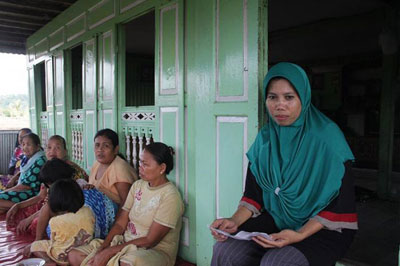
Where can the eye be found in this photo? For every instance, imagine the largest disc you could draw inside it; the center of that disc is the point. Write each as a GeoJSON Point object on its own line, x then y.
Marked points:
{"type": "Point", "coordinates": [289, 97]}
{"type": "Point", "coordinates": [271, 97]}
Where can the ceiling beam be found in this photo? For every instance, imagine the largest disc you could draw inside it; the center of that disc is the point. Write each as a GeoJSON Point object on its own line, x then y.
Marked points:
{"type": "Point", "coordinates": [23, 20]}
{"type": "Point", "coordinates": [15, 25]}
{"type": "Point", "coordinates": [32, 14]}
{"type": "Point", "coordinates": [7, 37]}
{"type": "Point", "coordinates": [22, 6]}
{"type": "Point", "coordinates": [25, 33]}
{"type": "Point", "coordinates": [34, 5]}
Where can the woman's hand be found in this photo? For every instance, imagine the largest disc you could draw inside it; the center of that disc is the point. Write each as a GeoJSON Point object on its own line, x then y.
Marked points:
{"type": "Point", "coordinates": [101, 258]}
{"type": "Point", "coordinates": [279, 240]}
{"type": "Point", "coordinates": [225, 224]}
{"type": "Point", "coordinates": [43, 191]}
{"type": "Point", "coordinates": [11, 212]}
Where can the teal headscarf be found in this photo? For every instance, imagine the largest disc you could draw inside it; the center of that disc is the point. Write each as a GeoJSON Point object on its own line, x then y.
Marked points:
{"type": "Point", "coordinates": [298, 167]}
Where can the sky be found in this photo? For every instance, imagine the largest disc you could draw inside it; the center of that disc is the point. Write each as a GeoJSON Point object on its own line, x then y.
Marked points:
{"type": "Point", "coordinates": [13, 74]}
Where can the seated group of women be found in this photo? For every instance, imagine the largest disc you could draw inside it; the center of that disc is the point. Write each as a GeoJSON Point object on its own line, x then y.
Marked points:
{"type": "Point", "coordinates": [299, 190]}
{"type": "Point", "coordinates": [108, 218]}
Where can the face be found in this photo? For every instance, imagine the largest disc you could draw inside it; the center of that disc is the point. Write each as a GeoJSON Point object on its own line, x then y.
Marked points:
{"type": "Point", "coordinates": [20, 135]}
{"type": "Point", "coordinates": [149, 169]}
{"type": "Point", "coordinates": [55, 149]}
{"type": "Point", "coordinates": [104, 150]}
{"type": "Point", "coordinates": [282, 102]}
{"type": "Point", "coordinates": [29, 147]}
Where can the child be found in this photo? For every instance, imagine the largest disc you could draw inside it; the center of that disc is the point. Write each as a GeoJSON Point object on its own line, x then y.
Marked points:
{"type": "Point", "coordinates": [22, 217]}
{"type": "Point", "coordinates": [72, 224]}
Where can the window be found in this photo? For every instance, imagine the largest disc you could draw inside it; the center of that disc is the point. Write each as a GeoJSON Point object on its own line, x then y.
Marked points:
{"type": "Point", "coordinates": [40, 85]}
{"type": "Point", "coordinates": [139, 60]}
{"type": "Point", "coordinates": [76, 77]}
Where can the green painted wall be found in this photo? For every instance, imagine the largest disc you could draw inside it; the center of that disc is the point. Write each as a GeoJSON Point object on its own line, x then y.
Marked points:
{"type": "Point", "coordinates": [210, 58]}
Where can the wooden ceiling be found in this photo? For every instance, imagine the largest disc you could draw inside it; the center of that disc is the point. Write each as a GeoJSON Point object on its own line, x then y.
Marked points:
{"type": "Point", "coordinates": [19, 19]}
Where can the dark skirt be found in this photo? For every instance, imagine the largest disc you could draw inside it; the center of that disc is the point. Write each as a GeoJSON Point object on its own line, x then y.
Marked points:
{"type": "Point", "coordinates": [322, 248]}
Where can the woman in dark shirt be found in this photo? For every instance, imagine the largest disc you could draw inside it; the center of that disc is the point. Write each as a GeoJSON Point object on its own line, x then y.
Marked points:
{"type": "Point", "coordinates": [299, 187]}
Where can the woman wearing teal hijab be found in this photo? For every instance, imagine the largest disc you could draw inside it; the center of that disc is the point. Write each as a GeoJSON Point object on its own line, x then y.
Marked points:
{"type": "Point", "coordinates": [299, 188]}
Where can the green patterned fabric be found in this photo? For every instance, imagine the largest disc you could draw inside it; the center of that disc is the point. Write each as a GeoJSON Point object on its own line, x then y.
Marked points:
{"type": "Point", "coordinates": [29, 177]}
{"type": "Point", "coordinates": [299, 167]}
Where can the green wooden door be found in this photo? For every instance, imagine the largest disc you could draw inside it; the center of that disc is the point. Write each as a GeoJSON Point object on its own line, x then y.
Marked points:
{"type": "Point", "coordinates": [226, 59]}
{"type": "Point", "coordinates": [170, 111]}
{"type": "Point", "coordinates": [107, 98]}
{"type": "Point", "coordinates": [89, 98]}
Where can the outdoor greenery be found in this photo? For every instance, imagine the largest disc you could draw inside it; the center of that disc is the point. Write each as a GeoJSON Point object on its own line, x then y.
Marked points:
{"type": "Point", "coordinates": [14, 105]}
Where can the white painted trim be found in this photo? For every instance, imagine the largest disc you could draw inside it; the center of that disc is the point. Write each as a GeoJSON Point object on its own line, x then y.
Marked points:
{"type": "Point", "coordinates": [186, 232]}
{"type": "Point", "coordinates": [137, 2]}
{"type": "Point", "coordinates": [96, 6]}
{"type": "Point", "coordinates": [72, 22]}
{"type": "Point", "coordinates": [170, 90]}
{"type": "Point", "coordinates": [230, 119]}
{"type": "Point", "coordinates": [60, 43]}
{"type": "Point", "coordinates": [105, 35]}
{"type": "Point", "coordinates": [175, 110]}
{"type": "Point", "coordinates": [91, 112]}
{"type": "Point", "coordinates": [244, 96]}
{"type": "Point", "coordinates": [185, 123]}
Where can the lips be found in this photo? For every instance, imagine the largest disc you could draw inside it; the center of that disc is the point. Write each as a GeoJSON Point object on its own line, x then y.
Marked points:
{"type": "Point", "coordinates": [281, 117]}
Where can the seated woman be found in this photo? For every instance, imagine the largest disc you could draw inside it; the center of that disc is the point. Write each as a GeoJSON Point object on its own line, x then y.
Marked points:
{"type": "Point", "coordinates": [23, 215]}
{"type": "Point", "coordinates": [109, 180]}
{"type": "Point", "coordinates": [299, 187]}
{"type": "Point", "coordinates": [29, 184]}
{"type": "Point", "coordinates": [57, 148]}
{"type": "Point", "coordinates": [12, 176]}
{"type": "Point", "coordinates": [72, 224]}
{"type": "Point", "coordinates": [147, 229]}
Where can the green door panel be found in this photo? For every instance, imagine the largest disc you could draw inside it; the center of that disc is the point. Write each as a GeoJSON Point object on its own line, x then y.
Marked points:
{"type": "Point", "coordinates": [170, 111]}
{"type": "Point", "coordinates": [32, 101]}
{"type": "Point", "coordinates": [59, 95]}
{"type": "Point", "coordinates": [223, 88]}
{"type": "Point", "coordinates": [90, 131]}
{"type": "Point", "coordinates": [231, 163]}
{"type": "Point", "coordinates": [89, 74]}
{"type": "Point", "coordinates": [89, 98]}
{"type": "Point", "coordinates": [231, 48]}
{"type": "Point", "coordinates": [168, 50]}
{"type": "Point", "coordinates": [50, 96]}
{"type": "Point", "coordinates": [107, 105]}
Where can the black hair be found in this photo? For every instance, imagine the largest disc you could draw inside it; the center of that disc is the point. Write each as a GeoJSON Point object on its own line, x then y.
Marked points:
{"type": "Point", "coordinates": [60, 139]}
{"type": "Point", "coordinates": [110, 134]}
{"type": "Point", "coordinates": [27, 130]}
{"type": "Point", "coordinates": [55, 169]}
{"type": "Point", "coordinates": [35, 138]}
{"type": "Point", "coordinates": [162, 154]}
{"type": "Point", "coordinates": [65, 196]}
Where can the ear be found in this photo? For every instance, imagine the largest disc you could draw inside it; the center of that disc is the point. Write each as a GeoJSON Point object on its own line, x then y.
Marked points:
{"type": "Point", "coordinates": [116, 149]}
{"type": "Point", "coordinates": [163, 167]}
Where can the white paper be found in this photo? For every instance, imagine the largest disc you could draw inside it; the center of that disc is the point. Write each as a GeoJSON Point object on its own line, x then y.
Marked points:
{"type": "Point", "coordinates": [242, 235]}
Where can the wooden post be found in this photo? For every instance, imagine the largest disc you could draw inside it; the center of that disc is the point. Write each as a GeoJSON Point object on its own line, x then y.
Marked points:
{"type": "Point", "coordinates": [389, 44]}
